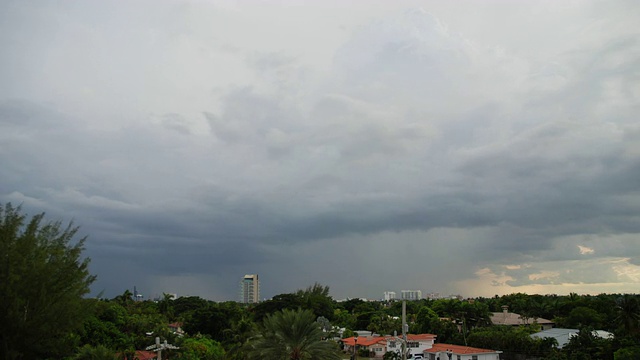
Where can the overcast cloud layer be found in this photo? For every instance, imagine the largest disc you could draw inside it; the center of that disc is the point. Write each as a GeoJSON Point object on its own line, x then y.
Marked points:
{"type": "Point", "coordinates": [468, 147]}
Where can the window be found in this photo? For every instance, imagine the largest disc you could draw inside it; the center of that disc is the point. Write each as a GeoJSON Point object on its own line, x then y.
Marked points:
{"type": "Point", "coordinates": [413, 344]}
{"type": "Point", "coordinates": [392, 344]}
{"type": "Point", "coordinates": [459, 357]}
{"type": "Point", "coordinates": [474, 357]}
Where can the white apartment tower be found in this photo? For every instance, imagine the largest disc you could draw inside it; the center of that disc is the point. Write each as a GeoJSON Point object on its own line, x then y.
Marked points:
{"type": "Point", "coordinates": [411, 294]}
{"type": "Point", "coordinates": [250, 289]}
{"type": "Point", "coordinates": [389, 295]}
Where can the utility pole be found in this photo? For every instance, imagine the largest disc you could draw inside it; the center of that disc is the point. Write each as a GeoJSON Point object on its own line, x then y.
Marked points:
{"type": "Point", "coordinates": [158, 347]}
{"type": "Point", "coordinates": [404, 329]}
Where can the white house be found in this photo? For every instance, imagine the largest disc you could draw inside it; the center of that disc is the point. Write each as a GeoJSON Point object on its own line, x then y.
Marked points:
{"type": "Point", "coordinates": [416, 343]}
{"type": "Point", "coordinates": [376, 345]}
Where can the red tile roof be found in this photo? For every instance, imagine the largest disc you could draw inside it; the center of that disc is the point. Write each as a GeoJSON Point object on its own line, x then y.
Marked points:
{"type": "Point", "coordinates": [418, 337]}
{"type": "Point", "coordinates": [458, 349]}
{"type": "Point", "coordinates": [142, 355]}
{"type": "Point", "coordinates": [145, 355]}
{"type": "Point", "coordinates": [370, 340]}
{"type": "Point", "coordinates": [364, 340]}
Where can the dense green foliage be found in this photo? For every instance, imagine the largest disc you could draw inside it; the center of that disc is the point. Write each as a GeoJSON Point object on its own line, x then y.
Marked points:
{"type": "Point", "coordinates": [228, 330]}
{"type": "Point", "coordinates": [292, 335]}
{"type": "Point", "coordinates": [512, 341]}
{"type": "Point", "coordinates": [42, 281]}
{"type": "Point", "coordinates": [120, 323]}
{"type": "Point", "coordinates": [201, 348]}
{"type": "Point", "coordinates": [99, 352]}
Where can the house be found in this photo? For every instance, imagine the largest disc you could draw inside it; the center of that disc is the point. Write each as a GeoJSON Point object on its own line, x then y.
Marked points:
{"type": "Point", "coordinates": [459, 352]}
{"type": "Point", "coordinates": [416, 343]}
{"type": "Point", "coordinates": [176, 328]}
{"type": "Point", "coordinates": [379, 345]}
{"type": "Point", "coordinates": [563, 336]}
{"type": "Point", "coordinates": [512, 319]}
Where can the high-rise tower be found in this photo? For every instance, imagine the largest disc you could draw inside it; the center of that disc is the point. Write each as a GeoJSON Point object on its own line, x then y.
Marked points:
{"type": "Point", "coordinates": [250, 289]}
{"type": "Point", "coordinates": [411, 294]}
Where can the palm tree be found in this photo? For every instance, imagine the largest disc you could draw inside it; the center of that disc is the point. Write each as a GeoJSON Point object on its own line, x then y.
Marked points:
{"type": "Point", "coordinates": [166, 306]}
{"type": "Point", "coordinates": [236, 337]}
{"type": "Point", "coordinates": [125, 299]}
{"type": "Point", "coordinates": [291, 335]}
{"type": "Point", "coordinates": [628, 316]}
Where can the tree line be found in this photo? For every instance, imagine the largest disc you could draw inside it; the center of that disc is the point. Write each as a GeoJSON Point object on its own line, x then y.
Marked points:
{"type": "Point", "coordinates": [45, 314]}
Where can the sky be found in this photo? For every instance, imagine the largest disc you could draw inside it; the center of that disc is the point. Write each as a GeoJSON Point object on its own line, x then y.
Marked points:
{"type": "Point", "coordinates": [461, 147]}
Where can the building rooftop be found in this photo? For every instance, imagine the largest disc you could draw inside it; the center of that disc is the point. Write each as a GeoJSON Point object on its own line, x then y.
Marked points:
{"type": "Point", "coordinates": [564, 335]}
{"type": "Point", "coordinates": [508, 318]}
{"type": "Point", "coordinates": [370, 340]}
{"type": "Point", "coordinates": [458, 349]}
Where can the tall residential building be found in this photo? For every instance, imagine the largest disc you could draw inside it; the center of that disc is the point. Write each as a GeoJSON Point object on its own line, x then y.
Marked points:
{"type": "Point", "coordinates": [389, 295]}
{"type": "Point", "coordinates": [250, 289]}
{"type": "Point", "coordinates": [411, 294]}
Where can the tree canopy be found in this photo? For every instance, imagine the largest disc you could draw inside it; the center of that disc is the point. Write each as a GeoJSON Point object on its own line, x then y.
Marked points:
{"type": "Point", "coordinates": [293, 335]}
{"type": "Point", "coordinates": [42, 281]}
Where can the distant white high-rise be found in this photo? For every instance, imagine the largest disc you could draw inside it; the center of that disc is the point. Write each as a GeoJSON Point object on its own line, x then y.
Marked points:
{"type": "Point", "coordinates": [389, 295]}
{"type": "Point", "coordinates": [250, 289]}
{"type": "Point", "coordinates": [433, 296]}
{"type": "Point", "coordinates": [411, 294]}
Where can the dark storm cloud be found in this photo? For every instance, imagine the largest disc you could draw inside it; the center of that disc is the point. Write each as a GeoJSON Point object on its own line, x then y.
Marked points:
{"type": "Point", "coordinates": [189, 166]}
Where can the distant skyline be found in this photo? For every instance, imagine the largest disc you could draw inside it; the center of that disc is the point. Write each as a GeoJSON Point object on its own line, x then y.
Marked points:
{"type": "Point", "coordinates": [469, 147]}
{"type": "Point", "coordinates": [383, 295]}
